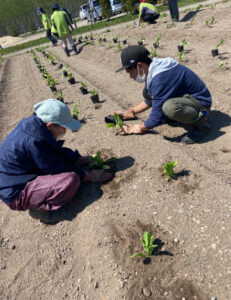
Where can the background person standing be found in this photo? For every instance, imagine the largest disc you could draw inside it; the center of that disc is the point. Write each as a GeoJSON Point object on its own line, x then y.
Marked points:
{"type": "Point", "coordinates": [60, 23]}
{"type": "Point", "coordinates": [47, 25]}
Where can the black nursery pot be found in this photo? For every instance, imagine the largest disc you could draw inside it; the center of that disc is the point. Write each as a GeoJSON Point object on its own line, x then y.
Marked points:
{"type": "Point", "coordinates": [71, 80]}
{"type": "Point", "coordinates": [92, 38]}
{"type": "Point", "coordinates": [80, 41]}
{"type": "Point", "coordinates": [95, 98]}
{"type": "Point", "coordinates": [124, 42]}
{"type": "Point", "coordinates": [83, 91]}
{"type": "Point", "coordinates": [53, 88]}
{"type": "Point", "coordinates": [53, 63]}
{"type": "Point", "coordinates": [140, 43]}
{"type": "Point", "coordinates": [180, 48]}
{"type": "Point", "coordinates": [155, 45]}
{"type": "Point", "coordinates": [60, 66]}
{"type": "Point", "coordinates": [60, 99]}
{"type": "Point", "coordinates": [65, 73]}
{"type": "Point", "coordinates": [115, 41]}
{"type": "Point", "coordinates": [214, 52]}
{"type": "Point", "coordinates": [104, 40]}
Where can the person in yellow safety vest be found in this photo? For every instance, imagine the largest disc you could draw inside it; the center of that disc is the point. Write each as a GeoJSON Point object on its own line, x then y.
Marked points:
{"type": "Point", "coordinates": [47, 25]}
{"type": "Point", "coordinates": [61, 22]}
{"type": "Point", "coordinates": [147, 12]}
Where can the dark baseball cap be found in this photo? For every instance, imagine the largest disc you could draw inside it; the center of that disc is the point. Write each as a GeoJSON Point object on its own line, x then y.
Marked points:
{"type": "Point", "coordinates": [55, 6]}
{"type": "Point", "coordinates": [132, 55]}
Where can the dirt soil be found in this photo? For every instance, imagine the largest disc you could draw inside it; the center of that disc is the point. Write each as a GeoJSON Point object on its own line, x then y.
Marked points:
{"type": "Point", "coordinates": [87, 254]}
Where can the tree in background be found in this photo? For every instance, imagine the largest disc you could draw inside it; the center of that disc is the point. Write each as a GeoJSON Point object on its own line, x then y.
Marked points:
{"type": "Point", "coordinates": [106, 8]}
{"type": "Point", "coordinates": [130, 5]}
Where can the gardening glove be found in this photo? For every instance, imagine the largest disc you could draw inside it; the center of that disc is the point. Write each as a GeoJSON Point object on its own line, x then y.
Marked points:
{"type": "Point", "coordinates": [83, 160]}
{"type": "Point", "coordinates": [97, 176]}
{"type": "Point", "coordinates": [132, 129]}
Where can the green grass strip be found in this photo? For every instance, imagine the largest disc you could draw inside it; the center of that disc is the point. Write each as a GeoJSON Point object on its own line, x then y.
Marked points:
{"type": "Point", "coordinates": [92, 27]}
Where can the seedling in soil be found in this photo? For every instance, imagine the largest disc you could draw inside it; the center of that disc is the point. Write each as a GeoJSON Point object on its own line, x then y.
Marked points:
{"type": "Point", "coordinates": [163, 15]}
{"type": "Point", "coordinates": [110, 45]}
{"type": "Point", "coordinates": [153, 53]}
{"type": "Point", "coordinates": [118, 122]}
{"type": "Point", "coordinates": [71, 79]}
{"type": "Point", "coordinates": [116, 38]}
{"type": "Point", "coordinates": [125, 42]}
{"type": "Point", "coordinates": [156, 43]}
{"type": "Point", "coordinates": [199, 6]}
{"type": "Point", "coordinates": [64, 71]}
{"type": "Point", "coordinates": [141, 41]}
{"type": "Point", "coordinates": [98, 162]}
{"type": "Point", "coordinates": [119, 47]}
{"type": "Point", "coordinates": [94, 96]}
{"type": "Point", "coordinates": [182, 45]}
{"type": "Point", "coordinates": [221, 64]}
{"type": "Point", "coordinates": [60, 66]}
{"type": "Point", "coordinates": [213, 6]}
{"type": "Point", "coordinates": [100, 41]}
{"type": "Point", "coordinates": [215, 51]}
{"type": "Point", "coordinates": [148, 245]}
{"type": "Point", "coordinates": [220, 43]}
{"type": "Point", "coordinates": [186, 10]}
{"type": "Point", "coordinates": [75, 112]}
{"type": "Point", "coordinates": [86, 37]}
{"type": "Point", "coordinates": [60, 96]}
{"type": "Point", "coordinates": [91, 36]}
{"type": "Point", "coordinates": [52, 82]}
{"type": "Point", "coordinates": [168, 169]}
{"type": "Point", "coordinates": [210, 21]}
{"type": "Point", "coordinates": [181, 55]}
{"type": "Point", "coordinates": [83, 88]}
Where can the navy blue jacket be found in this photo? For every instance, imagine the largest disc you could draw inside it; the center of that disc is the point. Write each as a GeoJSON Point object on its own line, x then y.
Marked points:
{"type": "Point", "coordinates": [174, 82]}
{"type": "Point", "coordinates": [30, 151]}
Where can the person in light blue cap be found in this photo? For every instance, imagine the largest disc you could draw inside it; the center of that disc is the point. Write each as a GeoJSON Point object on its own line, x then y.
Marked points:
{"type": "Point", "coordinates": [36, 171]}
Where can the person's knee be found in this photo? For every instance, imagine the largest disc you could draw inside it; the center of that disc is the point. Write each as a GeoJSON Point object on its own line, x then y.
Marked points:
{"type": "Point", "coordinates": [169, 109]}
{"type": "Point", "coordinates": [74, 180]}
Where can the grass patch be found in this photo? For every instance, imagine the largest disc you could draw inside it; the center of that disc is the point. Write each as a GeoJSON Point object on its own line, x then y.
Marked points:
{"type": "Point", "coordinates": [92, 27]}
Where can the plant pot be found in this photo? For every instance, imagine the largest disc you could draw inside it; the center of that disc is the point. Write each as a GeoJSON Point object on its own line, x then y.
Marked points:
{"type": "Point", "coordinates": [124, 42]}
{"type": "Point", "coordinates": [65, 74]}
{"type": "Point", "coordinates": [155, 45]}
{"type": "Point", "coordinates": [104, 40]}
{"type": "Point", "coordinates": [214, 52]}
{"type": "Point", "coordinates": [92, 38]}
{"type": "Point", "coordinates": [80, 41]}
{"type": "Point", "coordinates": [53, 63]}
{"type": "Point", "coordinates": [180, 48]}
{"type": "Point", "coordinates": [140, 43]}
{"type": "Point", "coordinates": [109, 119]}
{"type": "Point", "coordinates": [83, 91]}
{"type": "Point", "coordinates": [115, 41]}
{"type": "Point", "coordinates": [75, 117]}
{"type": "Point", "coordinates": [95, 98]}
{"type": "Point", "coordinates": [53, 88]}
{"type": "Point", "coordinates": [60, 66]}
{"type": "Point", "coordinates": [60, 99]}
{"type": "Point", "coordinates": [71, 80]}
{"type": "Point", "coordinates": [86, 38]}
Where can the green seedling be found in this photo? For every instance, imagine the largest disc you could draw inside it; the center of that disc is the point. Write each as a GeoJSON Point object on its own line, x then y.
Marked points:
{"type": "Point", "coordinates": [119, 47]}
{"type": "Point", "coordinates": [69, 76]}
{"type": "Point", "coordinates": [168, 169]}
{"type": "Point", "coordinates": [91, 35]}
{"type": "Point", "coordinates": [184, 43]}
{"type": "Point", "coordinates": [220, 43]}
{"type": "Point", "coordinates": [100, 41]}
{"type": "Point", "coordinates": [153, 53]}
{"type": "Point", "coordinates": [83, 85]}
{"type": "Point", "coordinates": [59, 96]}
{"type": "Point", "coordinates": [199, 6]}
{"type": "Point", "coordinates": [210, 21]}
{"type": "Point", "coordinates": [110, 45]}
{"type": "Point", "coordinates": [148, 245]}
{"type": "Point", "coordinates": [75, 112]}
{"type": "Point", "coordinates": [116, 38]}
{"type": "Point", "coordinates": [93, 92]}
{"type": "Point", "coordinates": [163, 15]}
{"type": "Point", "coordinates": [118, 122]}
{"type": "Point", "coordinates": [213, 6]}
{"type": "Point", "coordinates": [142, 39]}
{"type": "Point", "coordinates": [181, 55]}
{"type": "Point", "coordinates": [52, 82]}
{"type": "Point", "coordinates": [98, 162]}
{"type": "Point", "coordinates": [221, 64]}
{"type": "Point", "coordinates": [158, 40]}
{"type": "Point", "coordinates": [186, 10]}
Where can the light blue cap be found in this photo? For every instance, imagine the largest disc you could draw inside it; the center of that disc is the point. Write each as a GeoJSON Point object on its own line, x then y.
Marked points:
{"type": "Point", "coordinates": [56, 112]}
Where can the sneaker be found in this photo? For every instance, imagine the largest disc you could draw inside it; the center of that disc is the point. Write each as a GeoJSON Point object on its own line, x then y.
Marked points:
{"type": "Point", "coordinates": [46, 216]}
{"type": "Point", "coordinates": [195, 135]}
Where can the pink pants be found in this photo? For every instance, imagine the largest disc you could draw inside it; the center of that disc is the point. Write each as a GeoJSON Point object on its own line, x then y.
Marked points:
{"type": "Point", "coordinates": [48, 192]}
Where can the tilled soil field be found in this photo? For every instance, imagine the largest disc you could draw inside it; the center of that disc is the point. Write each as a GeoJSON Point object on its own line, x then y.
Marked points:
{"type": "Point", "coordinates": [87, 254]}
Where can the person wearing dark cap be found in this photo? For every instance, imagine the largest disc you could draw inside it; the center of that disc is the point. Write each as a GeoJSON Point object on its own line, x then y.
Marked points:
{"type": "Point", "coordinates": [36, 171]}
{"type": "Point", "coordinates": [147, 12]}
{"type": "Point", "coordinates": [60, 23]}
{"type": "Point", "coordinates": [177, 94]}
{"type": "Point", "coordinates": [47, 25]}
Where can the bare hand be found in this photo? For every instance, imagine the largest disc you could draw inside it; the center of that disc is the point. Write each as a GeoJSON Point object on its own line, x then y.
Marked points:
{"type": "Point", "coordinates": [132, 129]}
{"type": "Point", "coordinates": [98, 176]}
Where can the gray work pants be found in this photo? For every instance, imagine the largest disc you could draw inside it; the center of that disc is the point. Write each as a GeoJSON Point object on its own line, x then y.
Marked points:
{"type": "Point", "coordinates": [186, 109]}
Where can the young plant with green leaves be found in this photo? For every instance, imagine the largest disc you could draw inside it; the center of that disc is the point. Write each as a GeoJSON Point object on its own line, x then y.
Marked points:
{"type": "Point", "coordinates": [184, 43]}
{"type": "Point", "coordinates": [52, 82]}
{"type": "Point", "coordinates": [181, 55]}
{"type": "Point", "coordinates": [163, 15]}
{"type": "Point", "coordinates": [118, 122]}
{"type": "Point", "coordinates": [168, 169]}
{"type": "Point", "coordinates": [157, 41]}
{"type": "Point", "coordinates": [70, 75]}
{"type": "Point", "coordinates": [59, 96]}
{"type": "Point", "coordinates": [219, 43]}
{"type": "Point", "coordinates": [148, 245]}
{"type": "Point", "coordinates": [98, 162]}
{"type": "Point", "coordinates": [213, 6]}
{"type": "Point", "coordinates": [110, 45]}
{"type": "Point", "coordinates": [94, 92]}
{"type": "Point", "coordinates": [119, 47]}
{"type": "Point", "coordinates": [153, 53]}
{"type": "Point", "coordinates": [142, 39]}
{"type": "Point", "coordinates": [75, 112]}
{"type": "Point", "coordinates": [199, 6]}
{"type": "Point", "coordinates": [221, 64]}
{"type": "Point", "coordinates": [83, 85]}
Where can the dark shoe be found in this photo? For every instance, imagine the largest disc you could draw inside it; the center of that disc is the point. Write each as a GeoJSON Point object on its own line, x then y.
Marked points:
{"type": "Point", "coordinates": [196, 135]}
{"type": "Point", "coordinates": [47, 217]}
{"type": "Point", "coordinates": [66, 51]}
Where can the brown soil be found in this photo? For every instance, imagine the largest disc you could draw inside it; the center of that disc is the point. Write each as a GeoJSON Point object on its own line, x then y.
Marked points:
{"type": "Point", "coordinates": [87, 254]}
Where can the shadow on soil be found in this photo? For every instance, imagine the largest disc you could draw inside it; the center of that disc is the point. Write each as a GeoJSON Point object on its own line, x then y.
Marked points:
{"type": "Point", "coordinates": [161, 277]}
{"type": "Point", "coordinates": [217, 120]}
{"type": "Point", "coordinates": [91, 192]}
{"type": "Point", "coordinates": [189, 15]}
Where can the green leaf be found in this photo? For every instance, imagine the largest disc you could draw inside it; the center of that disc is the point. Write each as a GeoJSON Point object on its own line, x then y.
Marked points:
{"type": "Point", "coordinates": [138, 254]}
{"type": "Point", "coordinates": [106, 167]}
{"type": "Point", "coordinates": [110, 125]}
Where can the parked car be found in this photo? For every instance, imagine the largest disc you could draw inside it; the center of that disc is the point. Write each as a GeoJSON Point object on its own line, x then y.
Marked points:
{"type": "Point", "coordinates": [83, 11]}
{"type": "Point", "coordinates": [94, 10]}
{"type": "Point", "coordinates": [116, 6]}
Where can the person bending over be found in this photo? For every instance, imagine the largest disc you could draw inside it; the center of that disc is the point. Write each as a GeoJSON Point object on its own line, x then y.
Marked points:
{"type": "Point", "coordinates": [147, 12]}
{"type": "Point", "coordinates": [36, 171]}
